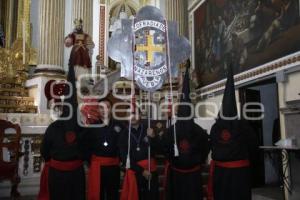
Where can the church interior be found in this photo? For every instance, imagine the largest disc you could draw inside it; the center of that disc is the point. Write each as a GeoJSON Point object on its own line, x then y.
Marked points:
{"type": "Point", "coordinates": [260, 36]}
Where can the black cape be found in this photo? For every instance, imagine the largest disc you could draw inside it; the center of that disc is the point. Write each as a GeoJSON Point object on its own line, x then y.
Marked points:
{"type": "Point", "coordinates": [140, 140]}
{"type": "Point", "coordinates": [232, 139]}
{"type": "Point", "coordinates": [193, 145]}
{"type": "Point", "coordinates": [236, 144]}
{"type": "Point", "coordinates": [94, 144]}
{"type": "Point", "coordinates": [62, 144]}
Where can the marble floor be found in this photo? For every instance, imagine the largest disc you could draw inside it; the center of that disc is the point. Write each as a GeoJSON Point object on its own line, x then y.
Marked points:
{"type": "Point", "coordinates": [255, 197]}
{"type": "Point", "coordinates": [269, 193]}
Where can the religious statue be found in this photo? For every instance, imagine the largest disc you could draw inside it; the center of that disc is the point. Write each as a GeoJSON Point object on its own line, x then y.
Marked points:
{"type": "Point", "coordinates": [80, 57]}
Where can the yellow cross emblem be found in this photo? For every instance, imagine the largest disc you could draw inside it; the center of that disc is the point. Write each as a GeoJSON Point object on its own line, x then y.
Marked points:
{"type": "Point", "coordinates": [150, 48]}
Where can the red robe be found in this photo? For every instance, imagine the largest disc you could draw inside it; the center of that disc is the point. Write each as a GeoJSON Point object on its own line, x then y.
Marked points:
{"type": "Point", "coordinates": [80, 53]}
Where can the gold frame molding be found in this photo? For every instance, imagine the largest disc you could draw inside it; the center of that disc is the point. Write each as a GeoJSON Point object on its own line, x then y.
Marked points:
{"type": "Point", "coordinates": [270, 68]}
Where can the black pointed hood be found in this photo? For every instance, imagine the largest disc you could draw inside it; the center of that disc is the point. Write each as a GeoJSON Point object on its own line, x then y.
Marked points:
{"type": "Point", "coordinates": [226, 126]}
{"type": "Point", "coordinates": [72, 100]}
{"type": "Point", "coordinates": [229, 106]}
{"type": "Point", "coordinates": [183, 110]}
{"type": "Point", "coordinates": [184, 126]}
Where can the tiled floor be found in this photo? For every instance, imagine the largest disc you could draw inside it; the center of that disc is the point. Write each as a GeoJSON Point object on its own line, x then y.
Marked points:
{"type": "Point", "coordinates": [268, 193]}
{"type": "Point", "coordinates": [22, 198]}
{"type": "Point", "coordinates": [258, 194]}
{"type": "Point", "coordinates": [255, 197]}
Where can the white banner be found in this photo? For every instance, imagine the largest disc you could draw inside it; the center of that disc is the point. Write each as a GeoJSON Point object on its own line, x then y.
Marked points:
{"type": "Point", "coordinates": [149, 23]}
{"type": "Point", "coordinates": [149, 83]}
{"type": "Point", "coordinates": [150, 72]}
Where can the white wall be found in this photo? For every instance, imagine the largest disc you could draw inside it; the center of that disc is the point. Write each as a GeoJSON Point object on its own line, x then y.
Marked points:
{"type": "Point", "coordinates": [292, 87]}
{"type": "Point", "coordinates": [288, 91]}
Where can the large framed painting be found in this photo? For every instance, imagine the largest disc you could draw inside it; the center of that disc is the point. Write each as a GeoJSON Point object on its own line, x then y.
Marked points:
{"type": "Point", "coordinates": [251, 32]}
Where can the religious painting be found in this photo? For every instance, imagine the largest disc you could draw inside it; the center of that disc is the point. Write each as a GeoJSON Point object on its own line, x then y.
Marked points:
{"type": "Point", "coordinates": [251, 32]}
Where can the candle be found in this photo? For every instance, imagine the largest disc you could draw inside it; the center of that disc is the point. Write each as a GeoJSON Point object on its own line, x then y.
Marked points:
{"type": "Point", "coordinates": [24, 42]}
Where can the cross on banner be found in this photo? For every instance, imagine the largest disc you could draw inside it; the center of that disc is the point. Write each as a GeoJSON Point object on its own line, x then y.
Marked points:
{"type": "Point", "coordinates": [150, 35]}
{"type": "Point", "coordinates": [149, 60]}
{"type": "Point", "coordinates": [150, 48]}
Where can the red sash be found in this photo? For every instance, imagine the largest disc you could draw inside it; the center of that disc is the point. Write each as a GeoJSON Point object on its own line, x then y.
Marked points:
{"type": "Point", "coordinates": [94, 174]}
{"type": "Point", "coordinates": [130, 188]}
{"type": "Point", "coordinates": [166, 175]}
{"type": "Point", "coordinates": [58, 165]}
{"type": "Point", "coordinates": [230, 164]}
{"type": "Point", "coordinates": [184, 171]}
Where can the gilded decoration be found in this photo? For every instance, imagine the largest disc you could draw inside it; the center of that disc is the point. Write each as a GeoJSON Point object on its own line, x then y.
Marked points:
{"type": "Point", "coordinates": [13, 75]}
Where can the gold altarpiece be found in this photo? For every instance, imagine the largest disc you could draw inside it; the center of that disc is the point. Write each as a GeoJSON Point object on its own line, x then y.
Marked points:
{"type": "Point", "coordinates": [15, 18]}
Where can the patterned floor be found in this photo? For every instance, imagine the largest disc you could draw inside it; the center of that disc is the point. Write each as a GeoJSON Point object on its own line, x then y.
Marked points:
{"type": "Point", "coordinates": [267, 193]}
{"type": "Point", "coordinates": [255, 197]}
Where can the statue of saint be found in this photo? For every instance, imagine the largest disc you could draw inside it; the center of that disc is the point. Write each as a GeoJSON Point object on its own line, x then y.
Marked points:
{"type": "Point", "coordinates": [80, 57]}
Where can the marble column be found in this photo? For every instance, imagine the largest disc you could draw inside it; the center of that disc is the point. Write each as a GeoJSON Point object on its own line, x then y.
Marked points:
{"type": "Point", "coordinates": [83, 9]}
{"type": "Point", "coordinates": [51, 36]}
{"type": "Point", "coordinates": [149, 2]}
{"type": "Point", "coordinates": [8, 22]}
{"type": "Point", "coordinates": [176, 10]}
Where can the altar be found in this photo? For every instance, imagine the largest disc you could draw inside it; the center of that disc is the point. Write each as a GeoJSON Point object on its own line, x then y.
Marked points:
{"type": "Point", "coordinates": [33, 53]}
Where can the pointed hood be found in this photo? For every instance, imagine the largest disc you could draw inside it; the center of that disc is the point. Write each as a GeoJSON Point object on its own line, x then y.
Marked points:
{"type": "Point", "coordinates": [229, 106]}
{"type": "Point", "coordinates": [226, 126]}
{"type": "Point", "coordinates": [184, 126]}
{"type": "Point", "coordinates": [184, 110]}
{"type": "Point", "coordinates": [72, 100]}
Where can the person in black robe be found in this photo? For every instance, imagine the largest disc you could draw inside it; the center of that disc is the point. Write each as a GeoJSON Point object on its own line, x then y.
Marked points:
{"type": "Point", "coordinates": [138, 169]}
{"type": "Point", "coordinates": [102, 151]}
{"type": "Point", "coordinates": [183, 171]}
{"type": "Point", "coordinates": [63, 175]}
{"type": "Point", "coordinates": [232, 142]}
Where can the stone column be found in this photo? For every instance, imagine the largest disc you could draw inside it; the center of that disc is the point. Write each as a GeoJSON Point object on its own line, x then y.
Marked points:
{"type": "Point", "coordinates": [176, 10]}
{"type": "Point", "coordinates": [149, 2]}
{"type": "Point", "coordinates": [8, 22]}
{"type": "Point", "coordinates": [83, 9]}
{"type": "Point", "coordinates": [51, 37]}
